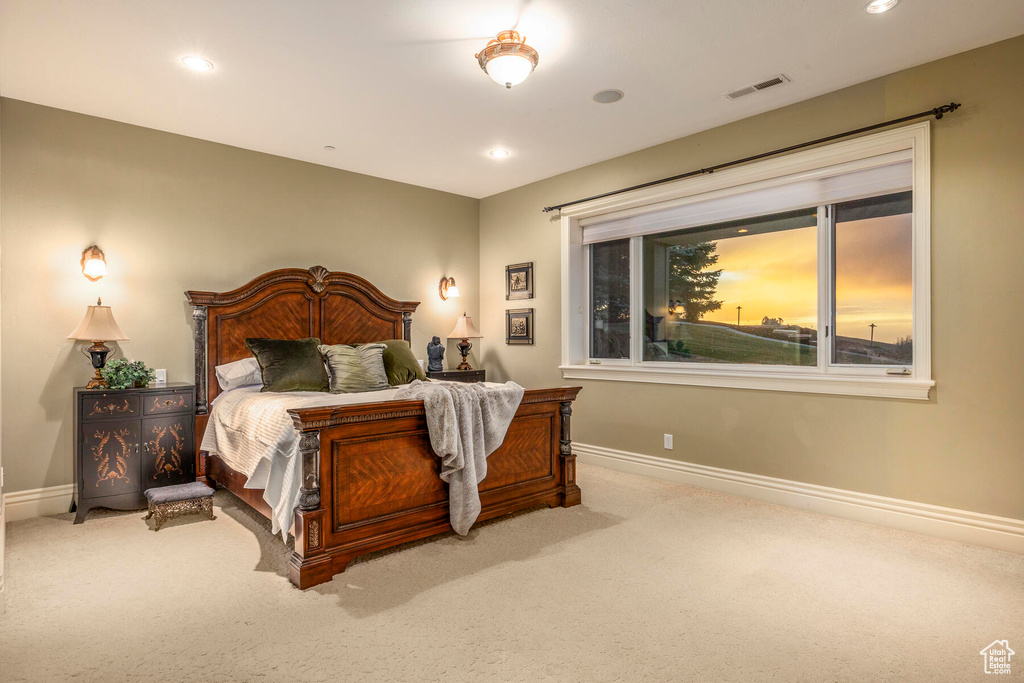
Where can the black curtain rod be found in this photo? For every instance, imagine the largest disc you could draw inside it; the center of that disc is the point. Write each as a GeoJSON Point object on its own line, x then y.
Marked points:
{"type": "Point", "coordinates": [937, 112]}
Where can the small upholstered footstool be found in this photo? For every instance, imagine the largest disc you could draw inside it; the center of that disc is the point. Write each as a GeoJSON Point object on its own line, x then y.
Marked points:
{"type": "Point", "coordinates": [167, 502]}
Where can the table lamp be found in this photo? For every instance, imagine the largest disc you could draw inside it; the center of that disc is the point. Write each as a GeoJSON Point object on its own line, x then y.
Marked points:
{"type": "Point", "coordinates": [98, 326]}
{"type": "Point", "coordinates": [465, 331]}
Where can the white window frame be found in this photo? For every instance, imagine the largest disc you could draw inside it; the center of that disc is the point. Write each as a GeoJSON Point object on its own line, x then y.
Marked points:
{"type": "Point", "coordinates": [824, 378]}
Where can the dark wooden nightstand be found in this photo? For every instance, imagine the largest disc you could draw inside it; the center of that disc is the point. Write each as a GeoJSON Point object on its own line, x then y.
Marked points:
{"type": "Point", "coordinates": [457, 375]}
{"type": "Point", "coordinates": [129, 440]}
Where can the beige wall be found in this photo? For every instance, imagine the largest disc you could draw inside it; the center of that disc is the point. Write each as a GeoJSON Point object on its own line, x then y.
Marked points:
{"type": "Point", "coordinates": [174, 213]}
{"type": "Point", "coordinates": [963, 448]}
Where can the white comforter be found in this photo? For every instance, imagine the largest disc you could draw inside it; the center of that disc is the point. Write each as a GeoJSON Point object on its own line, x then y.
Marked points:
{"type": "Point", "coordinates": [253, 434]}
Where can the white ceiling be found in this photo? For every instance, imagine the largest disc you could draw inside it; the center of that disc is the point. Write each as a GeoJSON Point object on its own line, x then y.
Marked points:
{"type": "Point", "coordinates": [394, 86]}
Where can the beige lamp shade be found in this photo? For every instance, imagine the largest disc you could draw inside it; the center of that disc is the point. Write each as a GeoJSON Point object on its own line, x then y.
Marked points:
{"type": "Point", "coordinates": [98, 325]}
{"type": "Point", "coordinates": [464, 329]}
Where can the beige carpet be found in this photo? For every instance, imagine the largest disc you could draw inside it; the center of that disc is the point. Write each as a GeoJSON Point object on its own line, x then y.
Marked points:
{"type": "Point", "coordinates": [646, 581]}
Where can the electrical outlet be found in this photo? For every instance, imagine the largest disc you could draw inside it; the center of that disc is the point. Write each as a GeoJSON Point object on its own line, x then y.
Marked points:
{"type": "Point", "coordinates": [161, 376]}
{"type": "Point", "coordinates": [668, 442]}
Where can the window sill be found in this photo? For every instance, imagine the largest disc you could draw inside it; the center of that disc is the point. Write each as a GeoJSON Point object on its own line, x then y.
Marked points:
{"type": "Point", "coordinates": [879, 387]}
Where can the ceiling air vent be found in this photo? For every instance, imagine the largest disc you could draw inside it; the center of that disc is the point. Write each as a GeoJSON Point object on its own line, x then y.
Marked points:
{"type": "Point", "coordinates": [762, 85]}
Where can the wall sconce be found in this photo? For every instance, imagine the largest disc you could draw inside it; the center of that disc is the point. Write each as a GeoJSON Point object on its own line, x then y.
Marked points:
{"type": "Point", "coordinates": [94, 263]}
{"type": "Point", "coordinates": [448, 289]}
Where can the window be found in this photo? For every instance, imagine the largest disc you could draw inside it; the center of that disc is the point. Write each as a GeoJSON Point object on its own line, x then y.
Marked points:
{"type": "Point", "coordinates": [804, 273]}
{"type": "Point", "coordinates": [742, 292]}
{"type": "Point", "coordinates": [873, 285]}
{"type": "Point", "coordinates": [609, 297]}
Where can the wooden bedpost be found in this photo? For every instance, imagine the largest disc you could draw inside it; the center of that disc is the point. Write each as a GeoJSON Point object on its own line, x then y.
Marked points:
{"type": "Point", "coordinates": [407, 326]}
{"type": "Point", "coordinates": [309, 565]}
{"type": "Point", "coordinates": [309, 491]}
{"type": "Point", "coordinates": [202, 397]}
{"type": "Point", "coordinates": [199, 338]}
{"type": "Point", "coordinates": [572, 491]}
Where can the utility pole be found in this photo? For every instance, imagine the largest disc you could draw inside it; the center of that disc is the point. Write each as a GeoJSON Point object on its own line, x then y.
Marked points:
{"type": "Point", "coordinates": [738, 308]}
{"type": "Point", "coordinates": [872, 326]}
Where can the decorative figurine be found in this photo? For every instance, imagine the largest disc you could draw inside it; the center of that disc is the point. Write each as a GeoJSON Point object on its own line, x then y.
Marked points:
{"type": "Point", "coordinates": [435, 355]}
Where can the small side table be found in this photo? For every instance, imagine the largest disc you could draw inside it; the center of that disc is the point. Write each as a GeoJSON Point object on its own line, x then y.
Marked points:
{"type": "Point", "coordinates": [457, 375]}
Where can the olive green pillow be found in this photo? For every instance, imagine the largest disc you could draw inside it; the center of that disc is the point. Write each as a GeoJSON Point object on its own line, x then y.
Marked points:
{"type": "Point", "coordinates": [399, 363]}
{"type": "Point", "coordinates": [355, 368]}
{"type": "Point", "coordinates": [290, 365]}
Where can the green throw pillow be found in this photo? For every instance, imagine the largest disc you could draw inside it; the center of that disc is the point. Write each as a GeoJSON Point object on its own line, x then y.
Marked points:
{"type": "Point", "coordinates": [355, 368]}
{"type": "Point", "coordinates": [290, 365]}
{"type": "Point", "coordinates": [399, 363]}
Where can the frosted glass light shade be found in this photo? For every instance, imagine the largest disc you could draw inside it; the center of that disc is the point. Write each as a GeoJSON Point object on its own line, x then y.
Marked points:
{"type": "Point", "coordinates": [453, 292]}
{"type": "Point", "coordinates": [509, 70]}
{"type": "Point", "coordinates": [98, 325]}
{"type": "Point", "coordinates": [95, 268]}
{"type": "Point", "coordinates": [464, 329]}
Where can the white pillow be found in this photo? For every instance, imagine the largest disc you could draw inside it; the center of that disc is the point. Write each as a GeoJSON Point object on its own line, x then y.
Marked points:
{"type": "Point", "coordinates": [241, 373]}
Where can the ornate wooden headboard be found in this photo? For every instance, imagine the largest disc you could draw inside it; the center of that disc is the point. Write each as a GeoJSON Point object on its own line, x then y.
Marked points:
{"type": "Point", "coordinates": [291, 303]}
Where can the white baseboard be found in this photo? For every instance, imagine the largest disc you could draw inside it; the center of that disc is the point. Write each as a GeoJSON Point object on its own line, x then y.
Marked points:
{"type": "Point", "coordinates": [1001, 533]}
{"type": "Point", "coordinates": [52, 500]}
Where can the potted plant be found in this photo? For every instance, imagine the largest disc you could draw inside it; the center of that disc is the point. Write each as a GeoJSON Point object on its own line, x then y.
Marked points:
{"type": "Point", "coordinates": [122, 373]}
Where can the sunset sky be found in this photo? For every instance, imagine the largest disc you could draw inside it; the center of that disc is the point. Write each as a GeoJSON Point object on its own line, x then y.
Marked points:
{"type": "Point", "coordinates": [775, 274]}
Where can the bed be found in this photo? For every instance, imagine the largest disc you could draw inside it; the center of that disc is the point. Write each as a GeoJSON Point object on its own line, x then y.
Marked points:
{"type": "Point", "coordinates": [369, 478]}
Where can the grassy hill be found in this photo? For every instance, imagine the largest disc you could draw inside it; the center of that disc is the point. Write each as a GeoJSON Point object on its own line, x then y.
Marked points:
{"type": "Point", "coordinates": [721, 344]}
{"type": "Point", "coordinates": [724, 343]}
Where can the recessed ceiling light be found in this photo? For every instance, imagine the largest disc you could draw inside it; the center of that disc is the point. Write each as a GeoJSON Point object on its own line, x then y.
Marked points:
{"type": "Point", "coordinates": [197, 63]}
{"type": "Point", "coordinates": [499, 153]}
{"type": "Point", "coordinates": [608, 96]}
{"type": "Point", "coordinates": [879, 6]}
{"type": "Point", "coordinates": [328, 148]}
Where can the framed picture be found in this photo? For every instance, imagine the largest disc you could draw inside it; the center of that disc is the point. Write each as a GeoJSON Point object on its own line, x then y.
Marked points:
{"type": "Point", "coordinates": [519, 326]}
{"type": "Point", "coordinates": [519, 281]}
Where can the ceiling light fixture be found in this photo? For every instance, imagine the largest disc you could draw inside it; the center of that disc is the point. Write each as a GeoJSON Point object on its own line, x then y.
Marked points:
{"type": "Point", "coordinates": [499, 153]}
{"type": "Point", "coordinates": [507, 59]}
{"type": "Point", "coordinates": [197, 63]}
{"type": "Point", "coordinates": [608, 96]}
{"type": "Point", "coordinates": [328, 148]}
{"type": "Point", "coordinates": [879, 6]}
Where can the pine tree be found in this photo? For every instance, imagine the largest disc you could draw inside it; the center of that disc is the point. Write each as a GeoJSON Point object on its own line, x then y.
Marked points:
{"type": "Point", "coordinates": [690, 281]}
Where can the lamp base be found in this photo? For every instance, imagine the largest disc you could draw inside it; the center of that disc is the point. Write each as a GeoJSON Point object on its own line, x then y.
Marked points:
{"type": "Point", "coordinates": [97, 382]}
{"type": "Point", "coordinates": [98, 352]}
{"type": "Point", "coordinates": [464, 347]}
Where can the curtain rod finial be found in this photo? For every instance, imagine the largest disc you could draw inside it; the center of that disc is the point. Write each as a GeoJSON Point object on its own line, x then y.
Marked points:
{"type": "Point", "coordinates": [945, 109]}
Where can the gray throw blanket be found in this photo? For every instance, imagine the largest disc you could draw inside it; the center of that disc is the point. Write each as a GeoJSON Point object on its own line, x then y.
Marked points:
{"type": "Point", "coordinates": [466, 422]}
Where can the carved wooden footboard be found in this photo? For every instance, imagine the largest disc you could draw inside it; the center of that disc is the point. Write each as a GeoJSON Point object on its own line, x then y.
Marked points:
{"type": "Point", "coordinates": [370, 479]}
